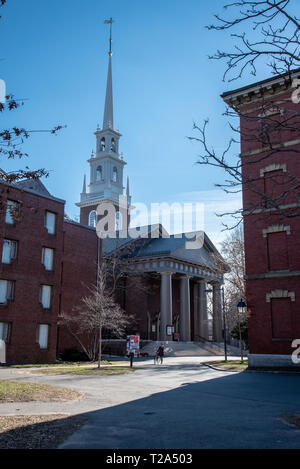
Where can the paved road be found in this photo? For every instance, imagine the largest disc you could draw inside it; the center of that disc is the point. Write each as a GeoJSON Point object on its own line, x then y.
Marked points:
{"type": "Point", "coordinates": [181, 404]}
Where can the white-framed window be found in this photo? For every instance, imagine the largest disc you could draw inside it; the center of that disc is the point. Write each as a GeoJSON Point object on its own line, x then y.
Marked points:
{"type": "Point", "coordinates": [12, 211]}
{"type": "Point", "coordinates": [9, 251]}
{"type": "Point", "coordinates": [102, 144]}
{"type": "Point", "coordinates": [7, 288]}
{"type": "Point", "coordinates": [5, 328]}
{"type": "Point", "coordinates": [115, 174]}
{"type": "Point", "coordinates": [47, 258]}
{"type": "Point", "coordinates": [45, 296]}
{"type": "Point", "coordinates": [42, 335]}
{"type": "Point", "coordinates": [93, 218]}
{"type": "Point", "coordinates": [50, 222]}
{"type": "Point", "coordinates": [99, 173]}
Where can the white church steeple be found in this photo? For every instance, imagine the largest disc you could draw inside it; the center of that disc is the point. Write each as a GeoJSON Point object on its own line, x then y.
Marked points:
{"type": "Point", "coordinates": [106, 165]}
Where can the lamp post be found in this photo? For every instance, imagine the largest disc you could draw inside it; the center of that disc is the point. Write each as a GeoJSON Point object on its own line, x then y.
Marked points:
{"type": "Point", "coordinates": [241, 309]}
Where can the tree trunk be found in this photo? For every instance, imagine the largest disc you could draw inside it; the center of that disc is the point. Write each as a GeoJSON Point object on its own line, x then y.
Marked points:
{"type": "Point", "coordinates": [100, 344]}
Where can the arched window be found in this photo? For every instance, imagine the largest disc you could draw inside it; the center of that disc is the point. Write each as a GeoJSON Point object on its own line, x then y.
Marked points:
{"type": "Point", "coordinates": [102, 144]}
{"type": "Point", "coordinates": [115, 174]}
{"type": "Point", "coordinates": [119, 221]}
{"type": "Point", "coordinates": [113, 145]}
{"type": "Point", "coordinates": [93, 218]}
{"type": "Point", "coordinates": [99, 175]}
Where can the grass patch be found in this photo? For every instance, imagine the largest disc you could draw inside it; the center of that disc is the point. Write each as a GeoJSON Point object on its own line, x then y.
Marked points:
{"type": "Point", "coordinates": [37, 431]}
{"type": "Point", "coordinates": [13, 391]}
{"type": "Point", "coordinates": [64, 364]}
{"type": "Point", "coordinates": [231, 365]}
{"type": "Point", "coordinates": [104, 370]}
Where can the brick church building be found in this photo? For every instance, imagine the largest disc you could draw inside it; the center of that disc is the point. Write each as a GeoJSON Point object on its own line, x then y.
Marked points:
{"type": "Point", "coordinates": [270, 145]}
{"type": "Point", "coordinates": [49, 261]}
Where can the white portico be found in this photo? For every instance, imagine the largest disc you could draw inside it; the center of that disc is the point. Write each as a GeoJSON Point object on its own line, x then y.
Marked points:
{"type": "Point", "coordinates": [182, 276]}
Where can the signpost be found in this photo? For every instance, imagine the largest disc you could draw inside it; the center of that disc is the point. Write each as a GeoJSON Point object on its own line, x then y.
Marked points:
{"type": "Point", "coordinates": [133, 347]}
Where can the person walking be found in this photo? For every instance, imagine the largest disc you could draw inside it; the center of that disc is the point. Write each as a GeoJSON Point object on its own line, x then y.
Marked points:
{"type": "Point", "coordinates": [160, 353]}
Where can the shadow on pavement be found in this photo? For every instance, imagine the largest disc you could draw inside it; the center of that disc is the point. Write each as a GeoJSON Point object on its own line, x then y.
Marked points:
{"type": "Point", "coordinates": [239, 410]}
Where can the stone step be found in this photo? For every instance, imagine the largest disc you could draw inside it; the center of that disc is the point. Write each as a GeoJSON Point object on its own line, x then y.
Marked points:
{"type": "Point", "coordinates": [189, 349]}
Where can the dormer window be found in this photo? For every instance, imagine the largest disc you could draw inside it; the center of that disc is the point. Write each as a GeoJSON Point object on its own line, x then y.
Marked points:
{"type": "Point", "coordinates": [115, 174]}
{"type": "Point", "coordinates": [102, 144]}
{"type": "Point", "coordinates": [99, 175]}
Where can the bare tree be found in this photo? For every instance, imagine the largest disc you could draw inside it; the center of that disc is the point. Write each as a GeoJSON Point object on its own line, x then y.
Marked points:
{"type": "Point", "coordinates": [232, 249]}
{"type": "Point", "coordinates": [273, 37]}
{"type": "Point", "coordinates": [97, 312]}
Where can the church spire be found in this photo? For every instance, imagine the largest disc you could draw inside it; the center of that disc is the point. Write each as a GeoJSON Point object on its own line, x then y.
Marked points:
{"type": "Point", "coordinates": [84, 185]}
{"type": "Point", "coordinates": [108, 118]}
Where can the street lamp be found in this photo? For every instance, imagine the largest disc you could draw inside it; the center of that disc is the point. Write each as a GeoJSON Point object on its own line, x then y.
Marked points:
{"type": "Point", "coordinates": [241, 309]}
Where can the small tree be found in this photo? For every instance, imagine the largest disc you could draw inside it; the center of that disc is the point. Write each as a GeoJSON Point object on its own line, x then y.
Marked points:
{"type": "Point", "coordinates": [97, 312]}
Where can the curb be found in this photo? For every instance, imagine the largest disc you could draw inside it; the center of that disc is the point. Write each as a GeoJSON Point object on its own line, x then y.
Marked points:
{"type": "Point", "coordinates": [220, 369]}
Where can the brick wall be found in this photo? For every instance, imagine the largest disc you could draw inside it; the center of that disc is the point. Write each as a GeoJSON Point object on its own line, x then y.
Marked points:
{"type": "Point", "coordinates": [25, 312]}
{"type": "Point", "coordinates": [79, 273]}
{"type": "Point", "coordinates": [272, 241]}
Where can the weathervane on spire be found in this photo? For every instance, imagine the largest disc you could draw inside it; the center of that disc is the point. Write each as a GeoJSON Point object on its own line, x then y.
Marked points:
{"type": "Point", "coordinates": [110, 21]}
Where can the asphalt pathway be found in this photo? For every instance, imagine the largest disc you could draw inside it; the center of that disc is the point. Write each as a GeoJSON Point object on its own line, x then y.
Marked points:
{"type": "Point", "coordinates": [181, 404]}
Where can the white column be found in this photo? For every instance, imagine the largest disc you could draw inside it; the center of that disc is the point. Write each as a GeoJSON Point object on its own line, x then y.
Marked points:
{"type": "Point", "coordinates": [201, 309]}
{"type": "Point", "coordinates": [217, 313]}
{"type": "Point", "coordinates": [185, 310]}
{"type": "Point", "coordinates": [165, 305]}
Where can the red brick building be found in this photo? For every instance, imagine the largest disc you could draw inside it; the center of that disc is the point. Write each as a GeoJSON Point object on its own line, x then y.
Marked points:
{"type": "Point", "coordinates": [270, 145]}
{"type": "Point", "coordinates": [43, 270]}
{"type": "Point", "coordinates": [30, 271]}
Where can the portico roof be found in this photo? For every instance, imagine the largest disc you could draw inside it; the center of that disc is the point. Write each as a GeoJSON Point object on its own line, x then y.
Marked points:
{"type": "Point", "coordinates": [194, 249]}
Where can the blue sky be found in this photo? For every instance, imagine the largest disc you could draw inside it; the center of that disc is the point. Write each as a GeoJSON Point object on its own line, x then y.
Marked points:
{"type": "Point", "coordinates": [54, 55]}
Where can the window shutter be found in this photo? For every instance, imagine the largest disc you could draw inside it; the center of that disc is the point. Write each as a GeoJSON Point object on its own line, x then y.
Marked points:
{"type": "Point", "coordinates": [278, 251]}
{"type": "Point", "coordinates": [13, 251]}
{"type": "Point", "coordinates": [10, 290]}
